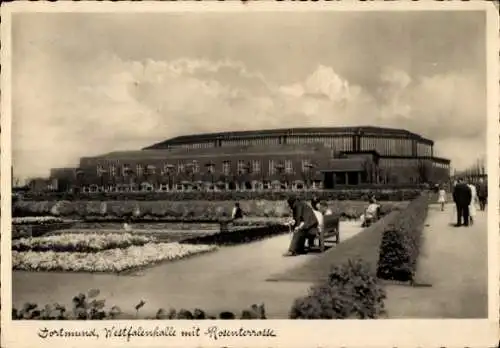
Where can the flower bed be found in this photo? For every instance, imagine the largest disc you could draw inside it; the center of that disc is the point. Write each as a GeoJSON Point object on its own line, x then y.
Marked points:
{"type": "Point", "coordinates": [201, 211]}
{"type": "Point", "coordinates": [89, 307]}
{"type": "Point", "coordinates": [400, 245]}
{"type": "Point", "coordinates": [36, 220]}
{"type": "Point", "coordinates": [82, 242]}
{"type": "Point", "coordinates": [112, 260]}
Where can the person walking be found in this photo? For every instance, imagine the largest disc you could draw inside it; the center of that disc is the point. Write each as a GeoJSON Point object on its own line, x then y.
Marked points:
{"type": "Point", "coordinates": [473, 201]}
{"type": "Point", "coordinates": [442, 197]}
{"type": "Point", "coordinates": [305, 223]}
{"type": "Point", "coordinates": [482, 194]}
{"type": "Point", "coordinates": [462, 197]}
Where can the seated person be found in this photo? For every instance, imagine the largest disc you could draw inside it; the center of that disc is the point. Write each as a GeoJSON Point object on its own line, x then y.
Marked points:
{"type": "Point", "coordinates": [325, 209]}
{"type": "Point", "coordinates": [305, 225]}
{"type": "Point", "coordinates": [316, 207]}
{"type": "Point", "coordinates": [237, 212]}
{"type": "Point", "coordinates": [371, 213]}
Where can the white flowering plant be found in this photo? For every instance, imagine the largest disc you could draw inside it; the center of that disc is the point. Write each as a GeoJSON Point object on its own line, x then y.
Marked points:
{"type": "Point", "coordinates": [111, 260]}
{"type": "Point", "coordinates": [80, 242]}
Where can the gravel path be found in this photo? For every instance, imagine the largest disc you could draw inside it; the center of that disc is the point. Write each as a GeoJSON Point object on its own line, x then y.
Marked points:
{"type": "Point", "coordinates": [454, 261]}
{"type": "Point", "coordinates": [232, 278]}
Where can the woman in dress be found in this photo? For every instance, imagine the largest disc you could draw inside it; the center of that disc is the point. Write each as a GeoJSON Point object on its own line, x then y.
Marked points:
{"type": "Point", "coordinates": [442, 197]}
{"type": "Point", "coordinates": [473, 201]}
{"type": "Point", "coordinates": [316, 204]}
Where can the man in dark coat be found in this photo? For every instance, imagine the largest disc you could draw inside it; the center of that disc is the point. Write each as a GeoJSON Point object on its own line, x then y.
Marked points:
{"type": "Point", "coordinates": [305, 225]}
{"type": "Point", "coordinates": [482, 194]}
{"type": "Point", "coordinates": [462, 197]}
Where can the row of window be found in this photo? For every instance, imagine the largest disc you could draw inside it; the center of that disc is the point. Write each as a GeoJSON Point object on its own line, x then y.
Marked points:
{"type": "Point", "coordinates": [254, 166]}
{"type": "Point", "coordinates": [402, 147]}
{"type": "Point", "coordinates": [385, 146]}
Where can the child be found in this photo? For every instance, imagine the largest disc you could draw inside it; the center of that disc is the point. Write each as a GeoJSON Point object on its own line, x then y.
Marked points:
{"type": "Point", "coordinates": [442, 197]}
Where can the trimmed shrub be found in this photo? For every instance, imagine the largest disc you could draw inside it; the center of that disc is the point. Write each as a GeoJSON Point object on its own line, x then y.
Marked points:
{"type": "Point", "coordinates": [381, 193]}
{"type": "Point", "coordinates": [400, 245]}
{"type": "Point", "coordinates": [351, 292]}
{"type": "Point", "coordinates": [37, 230]}
{"type": "Point", "coordinates": [183, 210]}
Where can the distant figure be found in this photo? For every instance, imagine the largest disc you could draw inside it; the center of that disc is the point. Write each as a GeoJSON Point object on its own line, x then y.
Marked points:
{"type": "Point", "coordinates": [462, 196]}
{"type": "Point", "coordinates": [237, 212]}
{"type": "Point", "coordinates": [371, 213]}
{"type": "Point", "coordinates": [472, 205]}
{"type": "Point", "coordinates": [442, 197]}
{"type": "Point", "coordinates": [482, 194]}
{"type": "Point", "coordinates": [305, 223]}
{"type": "Point", "coordinates": [127, 226]}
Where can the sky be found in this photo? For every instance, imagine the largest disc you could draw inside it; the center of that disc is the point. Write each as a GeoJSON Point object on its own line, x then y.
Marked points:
{"type": "Point", "coordinates": [86, 84]}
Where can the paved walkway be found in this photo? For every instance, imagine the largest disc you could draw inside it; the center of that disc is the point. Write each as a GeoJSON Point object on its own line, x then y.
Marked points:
{"type": "Point", "coordinates": [454, 261]}
{"type": "Point", "coordinates": [231, 278]}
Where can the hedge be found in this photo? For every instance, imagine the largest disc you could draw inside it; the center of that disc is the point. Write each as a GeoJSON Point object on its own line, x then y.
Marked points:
{"type": "Point", "coordinates": [381, 193]}
{"type": "Point", "coordinates": [88, 307]}
{"type": "Point", "coordinates": [237, 236]}
{"type": "Point", "coordinates": [350, 292]}
{"type": "Point", "coordinates": [37, 230]}
{"type": "Point", "coordinates": [175, 210]}
{"type": "Point", "coordinates": [400, 246]}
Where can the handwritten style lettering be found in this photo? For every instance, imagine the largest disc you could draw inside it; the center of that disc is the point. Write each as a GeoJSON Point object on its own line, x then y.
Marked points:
{"type": "Point", "coordinates": [215, 333]}
{"type": "Point", "coordinates": [129, 331]}
{"type": "Point", "coordinates": [65, 333]}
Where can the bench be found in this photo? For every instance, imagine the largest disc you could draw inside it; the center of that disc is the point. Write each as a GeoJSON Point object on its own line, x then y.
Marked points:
{"type": "Point", "coordinates": [331, 229]}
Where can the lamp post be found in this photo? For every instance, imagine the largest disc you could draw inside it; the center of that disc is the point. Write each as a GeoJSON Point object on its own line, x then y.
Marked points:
{"type": "Point", "coordinates": [170, 169]}
{"type": "Point", "coordinates": [210, 168]}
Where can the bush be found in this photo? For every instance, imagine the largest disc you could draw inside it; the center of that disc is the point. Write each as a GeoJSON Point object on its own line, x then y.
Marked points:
{"type": "Point", "coordinates": [400, 245]}
{"type": "Point", "coordinates": [25, 231]}
{"type": "Point", "coordinates": [381, 193]}
{"type": "Point", "coordinates": [88, 307]}
{"type": "Point", "coordinates": [351, 292]}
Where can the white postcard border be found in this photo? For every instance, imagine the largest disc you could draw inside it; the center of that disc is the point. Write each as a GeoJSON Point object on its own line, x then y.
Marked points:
{"type": "Point", "coordinates": [347, 333]}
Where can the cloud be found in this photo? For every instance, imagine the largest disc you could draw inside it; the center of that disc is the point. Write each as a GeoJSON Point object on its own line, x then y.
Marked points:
{"type": "Point", "coordinates": [115, 104]}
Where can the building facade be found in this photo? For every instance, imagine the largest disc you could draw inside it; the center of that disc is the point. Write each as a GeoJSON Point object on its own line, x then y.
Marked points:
{"type": "Point", "coordinates": [313, 157]}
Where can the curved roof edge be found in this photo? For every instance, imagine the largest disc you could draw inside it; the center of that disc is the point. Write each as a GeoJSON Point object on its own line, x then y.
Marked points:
{"type": "Point", "coordinates": [185, 139]}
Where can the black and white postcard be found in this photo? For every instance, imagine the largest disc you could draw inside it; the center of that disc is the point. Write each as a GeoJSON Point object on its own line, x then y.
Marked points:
{"type": "Point", "coordinates": [250, 174]}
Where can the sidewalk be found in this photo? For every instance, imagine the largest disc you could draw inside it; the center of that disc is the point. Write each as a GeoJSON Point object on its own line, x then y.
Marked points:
{"type": "Point", "coordinates": [454, 261]}
{"type": "Point", "coordinates": [231, 278]}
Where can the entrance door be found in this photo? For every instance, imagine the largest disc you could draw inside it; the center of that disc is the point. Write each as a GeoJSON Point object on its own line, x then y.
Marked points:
{"type": "Point", "coordinates": [328, 180]}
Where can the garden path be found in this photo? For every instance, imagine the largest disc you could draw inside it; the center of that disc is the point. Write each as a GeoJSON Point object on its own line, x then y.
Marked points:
{"type": "Point", "coordinates": [454, 261]}
{"type": "Point", "coordinates": [231, 278]}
